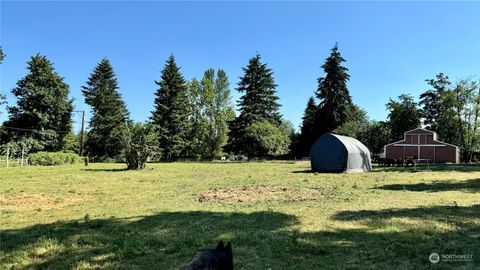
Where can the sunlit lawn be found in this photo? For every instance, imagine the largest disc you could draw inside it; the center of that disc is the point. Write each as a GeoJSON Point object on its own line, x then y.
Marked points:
{"type": "Point", "coordinates": [277, 216]}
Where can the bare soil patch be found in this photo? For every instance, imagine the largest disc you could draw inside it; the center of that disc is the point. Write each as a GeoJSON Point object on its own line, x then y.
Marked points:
{"type": "Point", "coordinates": [256, 194]}
{"type": "Point", "coordinates": [25, 202]}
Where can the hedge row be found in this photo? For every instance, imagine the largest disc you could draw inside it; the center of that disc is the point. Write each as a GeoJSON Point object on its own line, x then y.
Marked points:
{"type": "Point", "coordinates": [53, 158]}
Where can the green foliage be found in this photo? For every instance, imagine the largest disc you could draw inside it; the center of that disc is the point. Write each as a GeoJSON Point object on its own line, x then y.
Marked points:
{"type": "Point", "coordinates": [431, 101]}
{"type": "Point", "coordinates": [2, 55]}
{"type": "Point", "coordinates": [403, 115]}
{"type": "Point", "coordinates": [43, 110]}
{"type": "Point", "coordinates": [2, 96]}
{"type": "Point", "coordinates": [375, 136]}
{"type": "Point", "coordinates": [467, 108]}
{"type": "Point", "coordinates": [308, 130]}
{"type": "Point", "coordinates": [265, 139]}
{"type": "Point", "coordinates": [142, 145]}
{"type": "Point", "coordinates": [356, 124]}
{"type": "Point", "coordinates": [258, 103]}
{"type": "Point", "coordinates": [335, 100]}
{"type": "Point", "coordinates": [15, 146]}
{"type": "Point", "coordinates": [108, 125]}
{"type": "Point", "coordinates": [210, 112]}
{"type": "Point", "coordinates": [71, 143]}
{"type": "Point", "coordinates": [170, 116]}
{"type": "Point", "coordinates": [53, 158]}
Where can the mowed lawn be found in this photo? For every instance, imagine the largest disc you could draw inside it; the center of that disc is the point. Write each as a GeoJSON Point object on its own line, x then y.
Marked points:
{"type": "Point", "coordinates": [277, 215]}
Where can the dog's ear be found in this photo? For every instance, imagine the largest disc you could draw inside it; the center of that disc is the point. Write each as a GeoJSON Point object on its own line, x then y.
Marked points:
{"type": "Point", "coordinates": [220, 245]}
{"type": "Point", "coordinates": [228, 248]}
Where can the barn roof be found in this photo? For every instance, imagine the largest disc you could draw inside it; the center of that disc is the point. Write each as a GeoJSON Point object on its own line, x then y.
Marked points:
{"type": "Point", "coordinates": [420, 131]}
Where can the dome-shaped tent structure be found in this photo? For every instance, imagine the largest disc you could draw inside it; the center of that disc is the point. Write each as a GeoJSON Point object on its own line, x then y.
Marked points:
{"type": "Point", "coordinates": [336, 153]}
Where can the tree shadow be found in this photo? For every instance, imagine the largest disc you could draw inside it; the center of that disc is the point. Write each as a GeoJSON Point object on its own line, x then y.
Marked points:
{"type": "Point", "coordinates": [471, 185]}
{"type": "Point", "coordinates": [261, 240]}
{"type": "Point", "coordinates": [407, 236]}
{"type": "Point", "coordinates": [430, 167]}
{"type": "Point", "coordinates": [105, 169]}
{"type": "Point", "coordinates": [162, 241]}
{"type": "Point", "coordinates": [304, 171]}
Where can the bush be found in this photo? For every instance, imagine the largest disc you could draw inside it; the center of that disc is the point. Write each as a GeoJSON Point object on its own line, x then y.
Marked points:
{"type": "Point", "coordinates": [53, 158]}
{"type": "Point", "coordinates": [143, 144]}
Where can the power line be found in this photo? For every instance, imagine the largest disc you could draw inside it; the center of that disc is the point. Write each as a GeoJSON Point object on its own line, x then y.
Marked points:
{"type": "Point", "coordinates": [34, 130]}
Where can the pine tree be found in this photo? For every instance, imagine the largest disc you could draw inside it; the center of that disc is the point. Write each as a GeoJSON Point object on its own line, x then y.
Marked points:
{"type": "Point", "coordinates": [259, 102]}
{"type": "Point", "coordinates": [43, 111]}
{"type": "Point", "coordinates": [335, 100]}
{"type": "Point", "coordinates": [170, 116]}
{"type": "Point", "coordinates": [307, 129]}
{"type": "Point", "coordinates": [2, 96]}
{"type": "Point", "coordinates": [2, 55]}
{"type": "Point", "coordinates": [108, 124]}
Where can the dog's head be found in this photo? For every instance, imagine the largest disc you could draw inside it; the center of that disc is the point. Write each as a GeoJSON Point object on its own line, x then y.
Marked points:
{"type": "Point", "coordinates": [227, 250]}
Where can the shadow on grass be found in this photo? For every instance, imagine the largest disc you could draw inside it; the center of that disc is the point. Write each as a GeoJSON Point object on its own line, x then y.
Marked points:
{"type": "Point", "coordinates": [417, 232]}
{"type": "Point", "coordinates": [105, 169]}
{"type": "Point", "coordinates": [303, 171]}
{"type": "Point", "coordinates": [431, 167]}
{"type": "Point", "coordinates": [261, 240]}
{"type": "Point", "coordinates": [471, 185]}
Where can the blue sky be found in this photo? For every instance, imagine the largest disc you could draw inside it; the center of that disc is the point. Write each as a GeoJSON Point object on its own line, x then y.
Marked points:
{"type": "Point", "coordinates": [390, 47]}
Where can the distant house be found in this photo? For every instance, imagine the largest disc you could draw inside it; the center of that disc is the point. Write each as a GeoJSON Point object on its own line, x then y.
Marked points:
{"type": "Point", "coordinates": [422, 144]}
{"type": "Point", "coordinates": [336, 153]}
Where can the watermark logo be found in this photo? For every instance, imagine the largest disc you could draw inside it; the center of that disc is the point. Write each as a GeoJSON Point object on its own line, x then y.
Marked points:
{"type": "Point", "coordinates": [434, 257]}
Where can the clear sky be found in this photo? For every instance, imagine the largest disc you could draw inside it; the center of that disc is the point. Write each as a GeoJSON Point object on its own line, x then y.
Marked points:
{"type": "Point", "coordinates": [390, 47]}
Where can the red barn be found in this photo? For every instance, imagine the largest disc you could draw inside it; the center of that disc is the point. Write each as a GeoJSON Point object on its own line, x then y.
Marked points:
{"type": "Point", "coordinates": [420, 143]}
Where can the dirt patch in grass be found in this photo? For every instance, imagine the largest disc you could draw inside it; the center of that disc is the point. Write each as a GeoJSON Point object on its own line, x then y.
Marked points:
{"type": "Point", "coordinates": [256, 194]}
{"type": "Point", "coordinates": [25, 202]}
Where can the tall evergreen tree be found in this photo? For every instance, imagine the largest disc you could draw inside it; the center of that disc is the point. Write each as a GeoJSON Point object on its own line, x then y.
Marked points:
{"type": "Point", "coordinates": [170, 116]}
{"type": "Point", "coordinates": [307, 129]}
{"type": "Point", "coordinates": [108, 125]}
{"type": "Point", "coordinates": [43, 111]}
{"type": "Point", "coordinates": [431, 101]}
{"type": "Point", "coordinates": [335, 100]}
{"type": "Point", "coordinates": [2, 96]}
{"type": "Point", "coordinates": [258, 103]}
{"type": "Point", "coordinates": [2, 55]}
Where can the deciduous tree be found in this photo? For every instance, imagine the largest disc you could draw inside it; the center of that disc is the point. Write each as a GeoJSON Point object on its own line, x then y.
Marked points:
{"type": "Point", "coordinates": [403, 115]}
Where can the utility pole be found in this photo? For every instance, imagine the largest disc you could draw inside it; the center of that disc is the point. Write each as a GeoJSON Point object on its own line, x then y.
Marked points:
{"type": "Point", "coordinates": [81, 133]}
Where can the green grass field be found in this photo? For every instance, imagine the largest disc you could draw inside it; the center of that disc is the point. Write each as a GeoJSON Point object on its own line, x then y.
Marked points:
{"type": "Point", "coordinates": [277, 216]}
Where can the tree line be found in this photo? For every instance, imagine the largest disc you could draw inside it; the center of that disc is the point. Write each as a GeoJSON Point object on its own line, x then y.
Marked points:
{"type": "Point", "coordinates": [196, 118]}
{"type": "Point", "coordinates": [191, 119]}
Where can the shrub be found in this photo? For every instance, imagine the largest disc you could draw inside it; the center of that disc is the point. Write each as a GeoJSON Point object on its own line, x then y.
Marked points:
{"type": "Point", "coordinates": [53, 158]}
{"type": "Point", "coordinates": [265, 139]}
{"type": "Point", "coordinates": [143, 144]}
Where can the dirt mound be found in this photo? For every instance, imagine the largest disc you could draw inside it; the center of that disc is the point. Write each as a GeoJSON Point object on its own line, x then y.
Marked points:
{"type": "Point", "coordinates": [255, 194]}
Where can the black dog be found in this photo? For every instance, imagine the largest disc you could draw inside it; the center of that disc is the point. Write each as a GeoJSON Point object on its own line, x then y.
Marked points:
{"type": "Point", "coordinates": [220, 258]}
